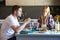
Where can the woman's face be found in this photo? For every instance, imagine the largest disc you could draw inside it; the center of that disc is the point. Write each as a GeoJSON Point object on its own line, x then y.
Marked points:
{"type": "Point", "coordinates": [46, 11]}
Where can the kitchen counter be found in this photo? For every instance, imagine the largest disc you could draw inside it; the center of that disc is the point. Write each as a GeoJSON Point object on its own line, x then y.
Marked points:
{"type": "Point", "coordinates": [37, 35]}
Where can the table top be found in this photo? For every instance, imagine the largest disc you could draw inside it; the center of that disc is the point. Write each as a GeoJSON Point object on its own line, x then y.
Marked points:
{"type": "Point", "coordinates": [40, 33]}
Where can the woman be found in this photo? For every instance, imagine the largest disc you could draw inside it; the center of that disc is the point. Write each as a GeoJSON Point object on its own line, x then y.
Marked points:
{"type": "Point", "coordinates": [46, 19]}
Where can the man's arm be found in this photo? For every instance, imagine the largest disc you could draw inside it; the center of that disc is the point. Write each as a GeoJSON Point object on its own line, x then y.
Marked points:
{"type": "Point", "coordinates": [19, 28]}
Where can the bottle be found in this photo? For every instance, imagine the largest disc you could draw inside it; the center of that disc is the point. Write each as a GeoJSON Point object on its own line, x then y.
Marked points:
{"type": "Point", "coordinates": [57, 23]}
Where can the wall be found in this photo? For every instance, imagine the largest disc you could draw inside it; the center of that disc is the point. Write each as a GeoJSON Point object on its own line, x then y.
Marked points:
{"type": "Point", "coordinates": [32, 2]}
{"type": "Point", "coordinates": [1, 0]}
{"type": "Point", "coordinates": [31, 8]}
{"type": "Point", "coordinates": [29, 11]}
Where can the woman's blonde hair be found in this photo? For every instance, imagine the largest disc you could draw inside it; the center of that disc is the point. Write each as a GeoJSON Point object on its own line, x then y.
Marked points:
{"type": "Point", "coordinates": [48, 9]}
{"type": "Point", "coordinates": [45, 18]}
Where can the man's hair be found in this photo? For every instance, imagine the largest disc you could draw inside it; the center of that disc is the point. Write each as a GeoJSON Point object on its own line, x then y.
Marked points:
{"type": "Point", "coordinates": [15, 8]}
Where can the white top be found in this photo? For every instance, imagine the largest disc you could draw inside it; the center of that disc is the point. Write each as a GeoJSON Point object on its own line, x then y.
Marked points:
{"type": "Point", "coordinates": [6, 30]}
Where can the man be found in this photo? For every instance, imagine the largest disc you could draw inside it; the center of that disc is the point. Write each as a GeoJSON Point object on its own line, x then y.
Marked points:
{"type": "Point", "coordinates": [11, 24]}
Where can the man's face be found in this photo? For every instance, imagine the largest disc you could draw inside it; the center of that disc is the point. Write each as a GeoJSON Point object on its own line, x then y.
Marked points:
{"type": "Point", "coordinates": [19, 12]}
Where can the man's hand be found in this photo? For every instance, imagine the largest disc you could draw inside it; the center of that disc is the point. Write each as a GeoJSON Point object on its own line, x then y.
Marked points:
{"type": "Point", "coordinates": [27, 20]}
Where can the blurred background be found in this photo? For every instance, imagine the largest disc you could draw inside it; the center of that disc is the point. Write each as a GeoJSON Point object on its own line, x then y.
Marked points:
{"type": "Point", "coordinates": [31, 8]}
